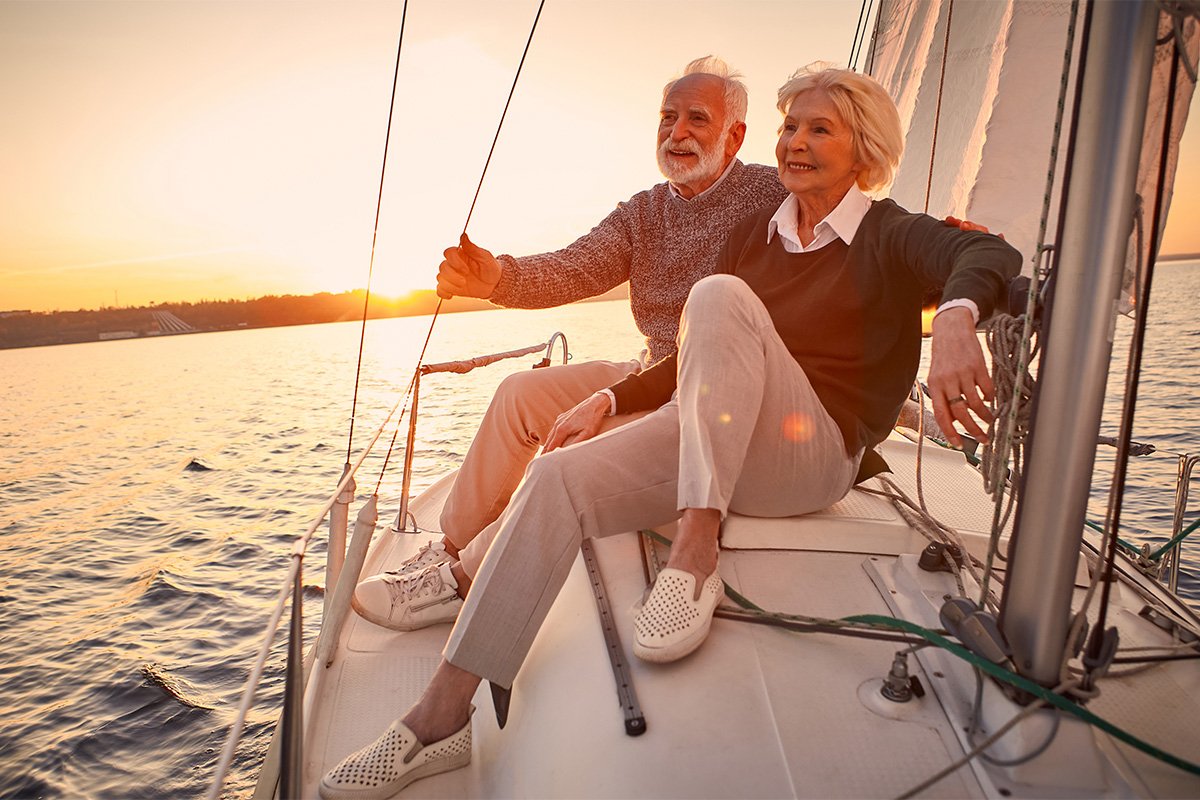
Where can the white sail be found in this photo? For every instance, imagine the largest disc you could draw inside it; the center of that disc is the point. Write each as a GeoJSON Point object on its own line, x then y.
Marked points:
{"type": "Point", "coordinates": [970, 81]}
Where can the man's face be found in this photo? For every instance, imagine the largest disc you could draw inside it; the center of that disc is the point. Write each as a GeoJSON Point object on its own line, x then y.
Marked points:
{"type": "Point", "coordinates": [694, 142]}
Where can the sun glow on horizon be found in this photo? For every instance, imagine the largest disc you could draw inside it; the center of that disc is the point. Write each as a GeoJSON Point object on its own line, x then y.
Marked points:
{"type": "Point", "coordinates": [173, 152]}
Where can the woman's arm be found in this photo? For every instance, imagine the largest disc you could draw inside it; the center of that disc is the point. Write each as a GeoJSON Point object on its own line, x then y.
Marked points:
{"type": "Point", "coordinates": [969, 265]}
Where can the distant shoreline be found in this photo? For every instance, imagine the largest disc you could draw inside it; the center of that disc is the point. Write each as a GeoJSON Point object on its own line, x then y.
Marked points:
{"type": "Point", "coordinates": [1180, 257]}
{"type": "Point", "coordinates": [22, 329]}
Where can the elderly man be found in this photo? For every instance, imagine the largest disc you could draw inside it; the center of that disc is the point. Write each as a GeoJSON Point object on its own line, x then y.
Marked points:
{"type": "Point", "coordinates": [662, 241]}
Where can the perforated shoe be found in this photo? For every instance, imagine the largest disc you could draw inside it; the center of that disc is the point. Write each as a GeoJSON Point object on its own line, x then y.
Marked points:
{"type": "Point", "coordinates": [393, 761]}
{"type": "Point", "coordinates": [409, 602]}
{"type": "Point", "coordinates": [672, 623]}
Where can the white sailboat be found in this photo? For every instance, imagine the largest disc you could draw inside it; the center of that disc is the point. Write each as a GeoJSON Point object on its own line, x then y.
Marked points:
{"type": "Point", "coordinates": [849, 691]}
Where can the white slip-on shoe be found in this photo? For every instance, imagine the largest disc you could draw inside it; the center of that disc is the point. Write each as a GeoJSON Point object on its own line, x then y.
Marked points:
{"type": "Point", "coordinates": [672, 624]}
{"type": "Point", "coordinates": [393, 761]}
{"type": "Point", "coordinates": [409, 602]}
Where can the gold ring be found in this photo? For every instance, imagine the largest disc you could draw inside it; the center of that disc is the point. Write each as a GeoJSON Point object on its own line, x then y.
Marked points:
{"type": "Point", "coordinates": [953, 400]}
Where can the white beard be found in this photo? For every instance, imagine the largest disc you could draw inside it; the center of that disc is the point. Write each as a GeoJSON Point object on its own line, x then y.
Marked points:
{"type": "Point", "coordinates": [707, 167]}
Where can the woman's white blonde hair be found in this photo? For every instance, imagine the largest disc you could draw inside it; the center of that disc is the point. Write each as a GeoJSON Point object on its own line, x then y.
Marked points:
{"type": "Point", "coordinates": [866, 109]}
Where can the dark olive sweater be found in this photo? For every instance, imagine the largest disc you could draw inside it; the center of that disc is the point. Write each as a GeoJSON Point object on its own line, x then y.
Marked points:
{"type": "Point", "coordinates": [851, 314]}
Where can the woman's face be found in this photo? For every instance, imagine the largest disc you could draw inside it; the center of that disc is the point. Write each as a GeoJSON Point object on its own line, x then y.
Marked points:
{"type": "Point", "coordinates": [816, 149]}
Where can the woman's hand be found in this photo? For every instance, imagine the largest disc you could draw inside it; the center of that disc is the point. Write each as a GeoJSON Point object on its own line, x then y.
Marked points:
{"type": "Point", "coordinates": [958, 377]}
{"type": "Point", "coordinates": [579, 424]}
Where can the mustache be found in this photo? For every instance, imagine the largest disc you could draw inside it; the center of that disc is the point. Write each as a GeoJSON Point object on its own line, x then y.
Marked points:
{"type": "Point", "coordinates": [686, 146]}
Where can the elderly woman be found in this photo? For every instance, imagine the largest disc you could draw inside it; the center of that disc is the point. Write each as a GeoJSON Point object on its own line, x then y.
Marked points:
{"type": "Point", "coordinates": [790, 365]}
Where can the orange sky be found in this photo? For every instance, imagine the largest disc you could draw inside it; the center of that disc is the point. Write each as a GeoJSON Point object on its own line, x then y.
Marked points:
{"type": "Point", "coordinates": [188, 150]}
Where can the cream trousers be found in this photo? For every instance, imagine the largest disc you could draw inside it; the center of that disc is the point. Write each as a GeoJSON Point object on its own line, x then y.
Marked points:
{"type": "Point", "coordinates": [745, 432]}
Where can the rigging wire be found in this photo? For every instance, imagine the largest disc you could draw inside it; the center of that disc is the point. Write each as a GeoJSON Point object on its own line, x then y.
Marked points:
{"type": "Point", "coordinates": [937, 112]}
{"type": "Point", "coordinates": [860, 34]}
{"type": "Point", "coordinates": [375, 233]}
{"type": "Point", "coordinates": [300, 546]}
{"type": "Point", "coordinates": [1136, 346]}
{"type": "Point", "coordinates": [504, 113]}
{"type": "Point", "coordinates": [470, 211]}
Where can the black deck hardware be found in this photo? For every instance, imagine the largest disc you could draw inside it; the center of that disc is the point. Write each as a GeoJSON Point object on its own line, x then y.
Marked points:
{"type": "Point", "coordinates": [635, 721]}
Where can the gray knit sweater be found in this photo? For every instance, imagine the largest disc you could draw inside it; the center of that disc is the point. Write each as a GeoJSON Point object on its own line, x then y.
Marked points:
{"type": "Point", "coordinates": [661, 244]}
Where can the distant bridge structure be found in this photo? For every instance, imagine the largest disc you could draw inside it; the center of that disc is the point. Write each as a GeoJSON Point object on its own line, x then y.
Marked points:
{"type": "Point", "coordinates": [169, 323]}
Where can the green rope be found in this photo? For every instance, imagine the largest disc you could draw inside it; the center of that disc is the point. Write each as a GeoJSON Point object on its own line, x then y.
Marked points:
{"type": "Point", "coordinates": [1157, 554]}
{"type": "Point", "coordinates": [1129, 547]}
{"type": "Point", "coordinates": [1029, 686]}
{"type": "Point", "coordinates": [879, 621]}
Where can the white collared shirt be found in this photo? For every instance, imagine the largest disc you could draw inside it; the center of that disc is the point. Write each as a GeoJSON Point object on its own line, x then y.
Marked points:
{"type": "Point", "coordinates": [841, 223]}
{"type": "Point", "coordinates": [675, 192]}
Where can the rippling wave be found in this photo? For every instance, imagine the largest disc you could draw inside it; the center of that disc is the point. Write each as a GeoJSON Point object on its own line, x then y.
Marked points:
{"type": "Point", "coordinates": [153, 488]}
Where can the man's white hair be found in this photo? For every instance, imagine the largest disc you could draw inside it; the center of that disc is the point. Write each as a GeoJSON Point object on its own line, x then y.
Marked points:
{"type": "Point", "coordinates": [736, 96]}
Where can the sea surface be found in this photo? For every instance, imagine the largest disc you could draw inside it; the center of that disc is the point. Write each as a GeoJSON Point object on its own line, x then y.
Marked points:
{"type": "Point", "coordinates": [151, 489]}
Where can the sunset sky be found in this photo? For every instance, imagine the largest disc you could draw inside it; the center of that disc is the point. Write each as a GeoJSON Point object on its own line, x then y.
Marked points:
{"type": "Point", "coordinates": [161, 151]}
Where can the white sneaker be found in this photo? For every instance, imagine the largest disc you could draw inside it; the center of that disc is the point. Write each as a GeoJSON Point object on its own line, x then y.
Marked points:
{"type": "Point", "coordinates": [409, 602]}
{"type": "Point", "coordinates": [432, 552]}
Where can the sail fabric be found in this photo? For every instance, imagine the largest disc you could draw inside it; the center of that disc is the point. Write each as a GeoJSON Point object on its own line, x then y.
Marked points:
{"type": "Point", "coordinates": [978, 87]}
{"type": "Point", "coordinates": [1148, 187]}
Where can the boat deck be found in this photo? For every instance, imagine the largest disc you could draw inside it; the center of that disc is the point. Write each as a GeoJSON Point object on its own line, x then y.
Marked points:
{"type": "Point", "coordinates": [757, 711]}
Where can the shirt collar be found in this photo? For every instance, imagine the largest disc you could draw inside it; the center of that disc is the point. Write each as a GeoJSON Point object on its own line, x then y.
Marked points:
{"type": "Point", "coordinates": [675, 192]}
{"type": "Point", "coordinates": [842, 223]}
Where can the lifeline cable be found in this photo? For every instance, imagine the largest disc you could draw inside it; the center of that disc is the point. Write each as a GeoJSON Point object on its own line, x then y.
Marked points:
{"type": "Point", "coordinates": [300, 546]}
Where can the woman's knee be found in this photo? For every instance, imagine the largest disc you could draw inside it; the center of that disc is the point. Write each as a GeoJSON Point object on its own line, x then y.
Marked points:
{"type": "Point", "coordinates": [720, 293]}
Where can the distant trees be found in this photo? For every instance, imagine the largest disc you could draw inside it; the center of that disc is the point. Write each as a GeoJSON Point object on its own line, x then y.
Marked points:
{"type": "Point", "coordinates": [63, 327]}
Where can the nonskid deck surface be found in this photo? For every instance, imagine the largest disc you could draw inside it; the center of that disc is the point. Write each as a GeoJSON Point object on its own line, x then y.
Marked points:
{"type": "Point", "coordinates": [756, 712]}
{"type": "Point", "coordinates": [752, 714]}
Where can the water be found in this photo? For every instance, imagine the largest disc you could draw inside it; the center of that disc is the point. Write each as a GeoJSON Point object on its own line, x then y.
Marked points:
{"type": "Point", "coordinates": [151, 490]}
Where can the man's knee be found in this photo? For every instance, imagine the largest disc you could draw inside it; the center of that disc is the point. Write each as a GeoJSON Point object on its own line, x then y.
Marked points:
{"type": "Point", "coordinates": [521, 390]}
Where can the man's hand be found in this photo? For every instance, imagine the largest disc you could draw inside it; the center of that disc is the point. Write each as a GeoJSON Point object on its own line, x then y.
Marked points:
{"type": "Point", "coordinates": [958, 377]}
{"type": "Point", "coordinates": [579, 424]}
{"type": "Point", "coordinates": [468, 270]}
{"type": "Point", "coordinates": [967, 225]}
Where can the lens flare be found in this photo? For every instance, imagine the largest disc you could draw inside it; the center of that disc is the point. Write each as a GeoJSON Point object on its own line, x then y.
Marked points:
{"type": "Point", "coordinates": [797, 427]}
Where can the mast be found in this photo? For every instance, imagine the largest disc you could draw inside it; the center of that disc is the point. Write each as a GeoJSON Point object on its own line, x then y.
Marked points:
{"type": "Point", "coordinates": [1077, 344]}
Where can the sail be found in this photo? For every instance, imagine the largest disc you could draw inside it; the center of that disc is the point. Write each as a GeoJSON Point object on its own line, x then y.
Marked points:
{"type": "Point", "coordinates": [1148, 186]}
{"type": "Point", "coordinates": [984, 92]}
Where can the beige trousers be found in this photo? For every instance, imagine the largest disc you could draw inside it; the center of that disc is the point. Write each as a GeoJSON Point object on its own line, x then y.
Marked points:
{"type": "Point", "coordinates": [517, 421]}
{"type": "Point", "coordinates": [745, 432]}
